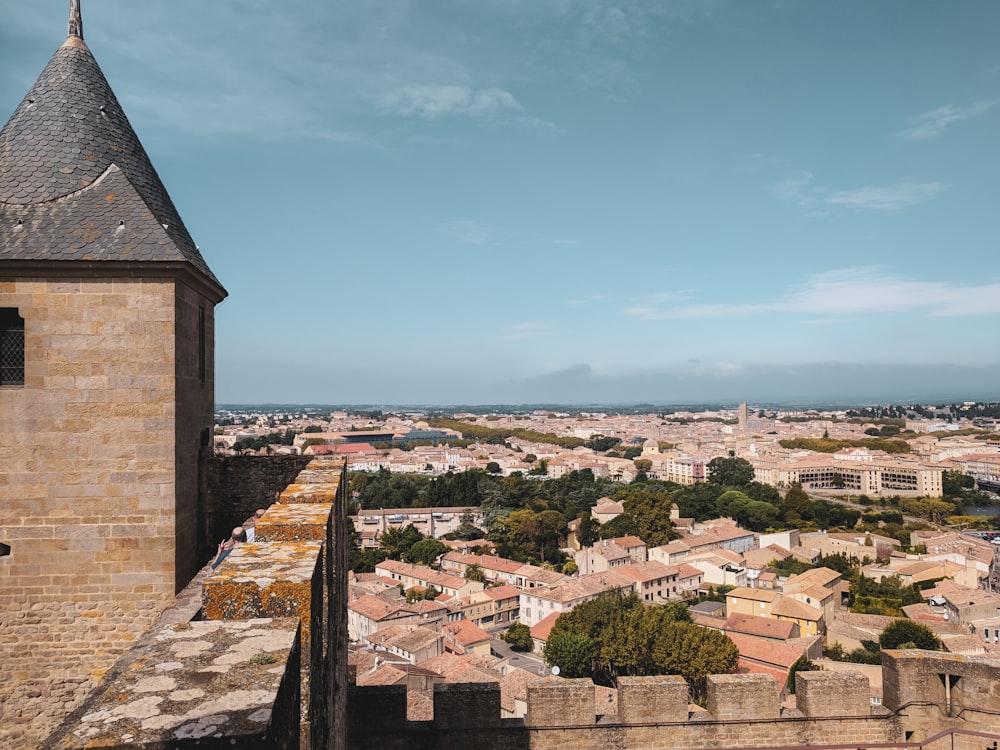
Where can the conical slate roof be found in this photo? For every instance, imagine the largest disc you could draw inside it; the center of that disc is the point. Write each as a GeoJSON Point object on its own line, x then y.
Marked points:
{"type": "Point", "coordinates": [75, 182]}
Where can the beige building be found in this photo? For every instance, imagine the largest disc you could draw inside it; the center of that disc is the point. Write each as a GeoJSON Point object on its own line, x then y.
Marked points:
{"type": "Point", "coordinates": [421, 576]}
{"type": "Point", "coordinates": [538, 603]}
{"type": "Point", "coordinates": [855, 470]}
{"type": "Point", "coordinates": [677, 468]}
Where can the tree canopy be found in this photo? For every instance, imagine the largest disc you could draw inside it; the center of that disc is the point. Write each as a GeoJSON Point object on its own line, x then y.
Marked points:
{"type": "Point", "coordinates": [909, 634]}
{"type": "Point", "coordinates": [616, 635]}
{"type": "Point", "coordinates": [518, 635]}
{"type": "Point", "coordinates": [730, 471]}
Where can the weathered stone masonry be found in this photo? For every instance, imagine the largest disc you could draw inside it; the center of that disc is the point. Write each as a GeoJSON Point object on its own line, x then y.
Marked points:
{"type": "Point", "coordinates": [104, 440]}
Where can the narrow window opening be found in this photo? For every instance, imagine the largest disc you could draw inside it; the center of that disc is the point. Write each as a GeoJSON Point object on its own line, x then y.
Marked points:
{"type": "Point", "coordinates": [201, 344]}
{"type": "Point", "coordinates": [11, 347]}
{"type": "Point", "coordinates": [949, 681]}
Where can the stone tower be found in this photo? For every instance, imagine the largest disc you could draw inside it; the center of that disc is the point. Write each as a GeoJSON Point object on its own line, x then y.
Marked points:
{"type": "Point", "coordinates": [106, 390]}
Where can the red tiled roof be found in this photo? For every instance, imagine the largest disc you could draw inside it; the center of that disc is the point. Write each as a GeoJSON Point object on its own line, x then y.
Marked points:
{"type": "Point", "coordinates": [764, 627]}
{"type": "Point", "coordinates": [540, 631]}
{"type": "Point", "coordinates": [766, 651]}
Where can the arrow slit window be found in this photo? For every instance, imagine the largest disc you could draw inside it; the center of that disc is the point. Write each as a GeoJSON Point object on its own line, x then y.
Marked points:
{"type": "Point", "coordinates": [11, 347]}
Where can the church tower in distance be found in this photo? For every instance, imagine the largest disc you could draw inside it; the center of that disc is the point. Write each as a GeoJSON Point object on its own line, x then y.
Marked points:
{"type": "Point", "coordinates": [106, 390]}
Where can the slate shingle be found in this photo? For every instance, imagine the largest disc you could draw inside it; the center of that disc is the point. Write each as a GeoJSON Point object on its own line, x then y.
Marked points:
{"type": "Point", "coordinates": [67, 147]}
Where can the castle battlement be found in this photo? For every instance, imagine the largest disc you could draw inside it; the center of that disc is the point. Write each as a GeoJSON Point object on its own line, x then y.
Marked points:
{"type": "Point", "coordinates": [274, 597]}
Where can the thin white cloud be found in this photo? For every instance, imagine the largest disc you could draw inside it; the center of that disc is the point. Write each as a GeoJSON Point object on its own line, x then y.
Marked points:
{"type": "Point", "coordinates": [803, 190]}
{"type": "Point", "coordinates": [322, 79]}
{"type": "Point", "coordinates": [434, 101]}
{"type": "Point", "coordinates": [846, 292]}
{"type": "Point", "coordinates": [935, 122]}
{"type": "Point", "coordinates": [521, 331]}
{"type": "Point", "coordinates": [588, 300]}
{"type": "Point", "coordinates": [469, 231]}
{"type": "Point", "coordinates": [886, 197]}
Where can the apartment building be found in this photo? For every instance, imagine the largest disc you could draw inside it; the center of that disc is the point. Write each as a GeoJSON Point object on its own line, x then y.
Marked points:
{"type": "Point", "coordinates": [501, 570]}
{"type": "Point", "coordinates": [855, 470]}
{"type": "Point", "coordinates": [420, 576]}
{"type": "Point", "coordinates": [538, 603]}
{"type": "Point", "coordinates": [432, 522]}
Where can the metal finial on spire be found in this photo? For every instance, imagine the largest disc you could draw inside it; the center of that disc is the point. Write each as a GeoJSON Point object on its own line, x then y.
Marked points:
{"type": "Point", "coordinates": [75, 19]}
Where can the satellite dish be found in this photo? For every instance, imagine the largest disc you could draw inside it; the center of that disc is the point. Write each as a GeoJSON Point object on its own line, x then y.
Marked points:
{"type": "Point", "coordinates": [555, 671]}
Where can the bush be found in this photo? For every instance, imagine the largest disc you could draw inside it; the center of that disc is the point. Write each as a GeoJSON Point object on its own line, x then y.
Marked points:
{"type": "Point", "coordinates": [909, 634]}
{"type": "Point", "coordinates": [518, 636]}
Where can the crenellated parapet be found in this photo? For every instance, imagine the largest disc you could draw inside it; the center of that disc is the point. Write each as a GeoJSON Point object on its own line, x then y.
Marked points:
{"type": "Point", "coordinates": [743, 697]}
{"type": "Point", "coordinates": [828, 694]}
{"type": "Point", "coordinates": [652, 699]}
{"type": "Point", "coordinates": [744, 712]}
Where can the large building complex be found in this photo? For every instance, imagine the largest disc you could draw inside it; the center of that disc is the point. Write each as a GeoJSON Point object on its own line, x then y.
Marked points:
{"type": "Point", "coordinates": [855, 470]}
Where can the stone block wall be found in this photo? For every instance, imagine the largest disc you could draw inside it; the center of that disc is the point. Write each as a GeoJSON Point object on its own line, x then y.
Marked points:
{"type": "Point", "coordinates": [194, 418]}
{"type": "Point", "coordinates": [293, 522]}
{"type": "Point", "coordinates": [832, 694]}
{"type": "Point", "coordinates": [237, 486]}
{"type": "Point", "coordinates": [561, 716]}
{"type": "Point", "coordinates": [557, 702]}
{"type": "Point", "coordinates": [202, 683]}
{"type": "Point", "coordinates": [652, 699]}
{"type": "Point", "coordinates": [88, 487]}
{"type": "Point", "coordinates": [935, 691]}
{"type": "Point", "coordinates": [744, 696]}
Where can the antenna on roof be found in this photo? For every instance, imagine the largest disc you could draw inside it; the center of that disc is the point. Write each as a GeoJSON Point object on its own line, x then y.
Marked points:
{"type": "Point", "coordinates": [75, 19]}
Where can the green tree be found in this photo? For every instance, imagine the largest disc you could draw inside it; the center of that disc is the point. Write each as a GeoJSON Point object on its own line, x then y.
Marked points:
{"type": "Point", "coordinates": [697, 500]}
{"type": "Point", "coordinates": [730, 471]}
{"type": "Point", "coordinates": [764, 492]}
{"type": "Point", "coordinates": [802, 664]}
{"type": "Point", "coordinates": [366, 560]}
{"type": "Point", "coordinates": [797, 501]}
{"type": "Point", "coordinates": [601, 443]}
{"type": "Point", "coordinates": [541, 470]}
{"type": "Point", "coordinates": [955, 483]}
{"type": "Point", "coordinates": [396, 541]}
{"type": "Point", "coordinates": [573, 653]}
{"type": "Point", "coordinates": [426, 551]}
{"type": "Point", "coordinates": [518, 636]}
{"type": "Point", "coordinates": [493, 467]}
{"type": "Point", "coordinates": [621, 525]}
{"type": "Point", "coordinates": [587, 532]}
{"type": "Point", "coordinates": [649, 506]}
{"type": "Point", "coordinates": [909, 634]}
{"type": "Point", "coordinates": [417, 594]}
{"type": "Point", "coordinates": [474, 572]}
{"type": "Point", "coordinates": [626, 638]}
{"type": "Point", "coordinates": [642, 465]}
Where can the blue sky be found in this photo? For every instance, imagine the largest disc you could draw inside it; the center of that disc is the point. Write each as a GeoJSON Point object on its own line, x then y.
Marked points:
{"type": "Point", "coordinates": [514, 201]}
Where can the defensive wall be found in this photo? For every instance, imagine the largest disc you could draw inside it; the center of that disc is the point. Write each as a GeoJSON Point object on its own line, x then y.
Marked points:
{"type": "Point", "coordinates": [253, 654]}
{"type": "Point", "coordinates": [257, 659]}
{"type": "Point", "coordinates": [743, 711]}
{"type": "Point", "coordinates": [239, 485]}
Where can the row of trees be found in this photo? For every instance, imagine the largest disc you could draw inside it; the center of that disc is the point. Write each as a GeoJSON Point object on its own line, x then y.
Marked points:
{"type": "Point", "coordinates": [615, 635]}
{"type": "Point", "coordinates": [403, 543]}
{"type": "Point", "coordinates": [528, 519]}
{"type": "Point", "coordinates": [256, 443]}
